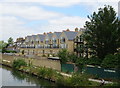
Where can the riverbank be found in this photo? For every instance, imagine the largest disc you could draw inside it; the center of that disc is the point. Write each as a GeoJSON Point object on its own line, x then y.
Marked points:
{"type": "Point", "coordinates": [53, 75]}
{"type": "Point", "coordinates": [14, 78]}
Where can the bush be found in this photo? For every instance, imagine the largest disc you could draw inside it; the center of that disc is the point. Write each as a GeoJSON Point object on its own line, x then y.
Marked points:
{"type": "Point", "coordinates": [72, 57]}
{"type": "Point", "coordinates": [94, 61]}
{"type": "Point", "coordinates": [42, 72]}
{"type": "Point", "coordinates": [43, 55]}
{"type": "Point", "coordinates": [47, 73]}
{"type": "Point", "coordinates": [8, 51]}
{"type": "Point", "coordinates": [18, 63]}
{"type": "Point", "coordinates": [111, 61]}
{"type": "Point", "coordinates": [75, 80]}
{"type": "Point", "coordinates": [63, 55]}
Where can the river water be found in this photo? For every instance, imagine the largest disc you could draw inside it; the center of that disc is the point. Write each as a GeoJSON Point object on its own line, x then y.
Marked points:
{"type": "Point", "coordinates": [8, 77]}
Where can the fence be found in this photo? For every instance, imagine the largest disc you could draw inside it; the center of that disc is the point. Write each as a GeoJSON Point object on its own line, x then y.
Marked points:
{"type": "Point", "coordinates": [96, 71]}
{"type": "Point", "coordinates": [102, 72]}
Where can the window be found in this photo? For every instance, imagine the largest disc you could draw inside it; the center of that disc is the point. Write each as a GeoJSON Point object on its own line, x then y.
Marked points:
{"type": "Point", "coordinates": [62, 40]}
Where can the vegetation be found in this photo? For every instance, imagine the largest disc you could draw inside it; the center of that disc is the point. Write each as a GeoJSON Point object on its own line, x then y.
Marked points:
{"type": "Point", "coordinates": [23, 52]}
{"type": "Point", "coordinates": [10, 40]}
{"type": "Point", "coordinates": [76, 80]}
{"type": "Point", "coordinates": [43, 55]}
{"type": "Point", "coordinates": [103, 32]}
{"type": "Point", "coordinates": [18, 63]}
{"type": "Point", "coordinates": [63, 55]}
{"type": "Point", "coordinates": [3, 45]}
{"type": "Point", "coordinates": [72, 57]}
{"type": "Point", "coordinates": [111, 61]}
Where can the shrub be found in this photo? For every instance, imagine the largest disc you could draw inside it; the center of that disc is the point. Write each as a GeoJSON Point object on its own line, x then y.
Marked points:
{"type": "Point", "coordinates": [8, 51]}
{"type": "Point", "coordinates": [43, 55]}
{"type": "Point", "coordinates": [72, 57]}
{"type": "Point", "coordinates": [42, 72]}
{"type": "Point", "coordinates": [18, 63]}
{"type": "Point", "coordinates": [111, 61]}
{"type": "Point", "coordinates": [75, 80]}
{"type": "Point", "coordinates": [63, 55]}
{"type": "Point", "coordinates": [94, 61]}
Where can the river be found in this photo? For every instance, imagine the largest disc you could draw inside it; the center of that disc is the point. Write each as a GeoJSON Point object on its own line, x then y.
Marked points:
{"type": "Point", "coordinates": [8, 77]}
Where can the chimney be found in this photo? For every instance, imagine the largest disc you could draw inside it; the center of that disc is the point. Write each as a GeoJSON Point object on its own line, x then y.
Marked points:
{"type": "Point", "coordinates": [44, 33]}
{"type": "Point", "coordinates": [67, 30]}
{"type": "Point", "coordinates": [76, 29]}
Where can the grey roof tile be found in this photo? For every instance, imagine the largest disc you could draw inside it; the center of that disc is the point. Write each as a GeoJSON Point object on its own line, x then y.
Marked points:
{"type": "Point", "coordinates": [42, 37]}
{"type": "Point", "coordinates": [58, 34]}
{"type": "Point", "coordinates": [50, 35]}
{"type": "Point", "coordinates": [70, 34]}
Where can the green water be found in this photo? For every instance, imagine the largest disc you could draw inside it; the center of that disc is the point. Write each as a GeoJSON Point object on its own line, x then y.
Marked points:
{"type": "Point", "coordinates": [16, 78]}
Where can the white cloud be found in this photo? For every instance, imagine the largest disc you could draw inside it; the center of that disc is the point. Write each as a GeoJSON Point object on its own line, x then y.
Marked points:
{"type": "Point", "coordinates": [59, 3]}
{"type": "Point", "coordinates": [70, 22]}
{"type": "Point", "coordinates": [56, 3]}
{"type": "Point", "coordinates": [12, 27]}
{"type": "Point", "coordinates": [28, 12]}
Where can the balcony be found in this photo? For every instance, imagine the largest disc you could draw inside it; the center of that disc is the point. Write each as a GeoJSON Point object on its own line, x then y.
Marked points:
{"type": "Point", "coordinates": [78, 41]}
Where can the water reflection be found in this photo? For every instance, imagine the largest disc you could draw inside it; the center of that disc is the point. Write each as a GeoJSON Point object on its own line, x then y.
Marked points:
{"type": "Point", "coordinates": [16, 78]}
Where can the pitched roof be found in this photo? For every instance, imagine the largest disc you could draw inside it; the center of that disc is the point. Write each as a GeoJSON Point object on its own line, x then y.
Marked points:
{"type": "Point", "coordinates": [28, 38]}
{"type": "Point", "coordinates": [70, 34]}
{"type": "Point", "coordinates": [50, 35]}
{"type": "Point", "coordinates": [41, 37]}
{"type": "Point", "coordinates": [34, 37]}
{"type": "Point", "coordinates": [58, 34]}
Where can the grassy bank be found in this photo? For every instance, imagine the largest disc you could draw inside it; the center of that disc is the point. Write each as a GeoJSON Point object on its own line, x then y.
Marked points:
{"type": "Point", "coordinates": [51, 75]}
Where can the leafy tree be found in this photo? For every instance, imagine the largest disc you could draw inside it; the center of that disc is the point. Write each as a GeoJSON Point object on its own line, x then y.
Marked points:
{"type": "Point", "coordinates": [103, 32]}
{"type": "Point", "coordinates": [63, 55]}
{"type": "Point", "coordinates": [72, 57]}
{"type": "Point", "coordinates": [10, 40]}
{"type": "Point", "coordinates": [3, 45]}
{"type": "Point", "coordinates": [111, 61]}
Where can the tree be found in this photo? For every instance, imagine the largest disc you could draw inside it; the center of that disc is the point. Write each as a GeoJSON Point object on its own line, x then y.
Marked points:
{"type": "Point", "coordinates": [103, 32]}
{"type": "Point", "coordinates": [10, 40]}
{"type": "Point", "coordinates": [63, 55]}
{"type": "Point", "coordinates": [3, 45]}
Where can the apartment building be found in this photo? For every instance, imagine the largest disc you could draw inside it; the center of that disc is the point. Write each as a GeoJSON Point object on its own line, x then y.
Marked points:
{"type": "Point", "coordinates": [49, 43]}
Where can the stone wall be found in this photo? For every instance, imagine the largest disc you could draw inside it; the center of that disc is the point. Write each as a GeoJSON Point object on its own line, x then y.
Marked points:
{"type": "Point", "coordinates": [54, 64]}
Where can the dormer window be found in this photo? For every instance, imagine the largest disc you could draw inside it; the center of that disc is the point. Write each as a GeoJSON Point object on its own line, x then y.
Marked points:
{"type": "Point", "coordinates": [62, 40]}
{"type": "Point", "coordinates": [54, 40]}
{"type": "Point", "coordinates": [46, 41]}
{"type": "Point", "coordinates": [32, 42]}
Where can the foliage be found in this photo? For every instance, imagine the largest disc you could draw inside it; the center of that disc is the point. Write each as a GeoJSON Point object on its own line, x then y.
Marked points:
{"type": "Point", "coordinates": [111, 61]}
{"type": "Point", "coordinates": [94, 61]}
{"type": "Point", "coordinates": [3, 45]}
{"type": "Point", "coordinates": [42, 72]}
{"type": "Point", "coordinates": [18, 63]}
{"type": "Point", "coordinates": [10, 40]}
{"type": "Point", "coordinates": [9, 51]}
{"type": "Point", "coordinates": [72, 57]}
{"type": "Point", "coordinates": [43, 55]}
{"type": "Point", "coordinates": [75, 80]}
{"type": "Point", "coordinates": [103, 32]}
{"type": "Point", "coordinates": [48, 73]}
{"type": "Point", "coordinates": [23, 51]}
{"type": "Point", "coordinates": [63, 55]}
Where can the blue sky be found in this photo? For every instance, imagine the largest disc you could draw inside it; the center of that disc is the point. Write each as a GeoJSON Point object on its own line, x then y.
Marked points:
{"type": "Point", "coordinates": [20, 18]}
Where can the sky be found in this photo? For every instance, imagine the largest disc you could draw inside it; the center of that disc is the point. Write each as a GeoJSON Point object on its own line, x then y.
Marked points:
{"type": "Point", "coordinates": [19, 18]}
